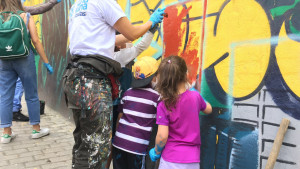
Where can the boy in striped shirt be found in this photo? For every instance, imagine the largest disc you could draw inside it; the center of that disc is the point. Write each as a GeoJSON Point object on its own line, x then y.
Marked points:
{"type": "Point", "coordinates": [137, 116]}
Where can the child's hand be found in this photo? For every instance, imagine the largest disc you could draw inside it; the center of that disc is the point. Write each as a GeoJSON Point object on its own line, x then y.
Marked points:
{"type": "Point", "coordinates": [153, 155]}
{"type": "Point", "coordinates": [49, 68]}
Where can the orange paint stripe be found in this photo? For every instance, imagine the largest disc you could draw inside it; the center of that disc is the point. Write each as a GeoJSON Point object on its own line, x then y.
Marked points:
{"type": "Point", "coordinates": [202, 43]}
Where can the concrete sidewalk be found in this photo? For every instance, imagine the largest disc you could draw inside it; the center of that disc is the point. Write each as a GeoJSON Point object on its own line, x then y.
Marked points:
{"type": "Point", "coordinates": [53, 151]}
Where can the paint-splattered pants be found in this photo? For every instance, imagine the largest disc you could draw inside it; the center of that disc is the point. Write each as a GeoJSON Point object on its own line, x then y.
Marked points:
{"type": "Point", "coordinates": [93, 133]}
{"type": "Point", "coordinates": [92, 141]}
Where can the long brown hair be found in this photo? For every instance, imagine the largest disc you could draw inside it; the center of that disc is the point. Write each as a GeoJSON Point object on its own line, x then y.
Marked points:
{"type": "Point", "coordinates": [11, 5]}
{"type": "Point", "coordinates": [171, 72]}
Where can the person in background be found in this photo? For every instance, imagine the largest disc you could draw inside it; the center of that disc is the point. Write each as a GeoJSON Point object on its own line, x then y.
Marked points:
{"type": "Point", "coordinates": [125, 54]}
{"type": "Point", "coordinates": [178, 137]}
{"type": "Point", "coordinates": [41, 8]}
{"type": "Point", "coordinates": [90, 79]}
{"type": "Point", "coordinates": [24, 68]}
{"type": "Point", "coordinates": [137, 116]}
{"type": "Point", "coordinates": [17, 106]}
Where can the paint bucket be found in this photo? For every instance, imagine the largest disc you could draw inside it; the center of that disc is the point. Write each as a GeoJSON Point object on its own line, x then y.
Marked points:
{"type": "Point", "coordinates": [42, 107]}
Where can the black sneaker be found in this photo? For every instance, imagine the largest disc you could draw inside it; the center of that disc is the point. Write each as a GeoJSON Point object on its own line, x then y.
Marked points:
{"type": "Point", "coordinates": [18, 116]}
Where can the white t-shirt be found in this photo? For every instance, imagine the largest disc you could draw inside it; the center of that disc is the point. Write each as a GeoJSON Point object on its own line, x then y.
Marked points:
{"type": "Point", "coordinates": [91, 29]}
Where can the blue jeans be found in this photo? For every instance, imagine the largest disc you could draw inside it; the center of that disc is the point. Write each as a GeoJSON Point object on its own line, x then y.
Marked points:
{"type": "Point", "coordinates": [10, 70]}
{"type": "Point", "coordinates": [18, 96]}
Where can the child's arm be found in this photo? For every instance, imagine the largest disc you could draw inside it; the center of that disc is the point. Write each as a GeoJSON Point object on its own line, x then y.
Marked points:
{"type": "Point", "coordinates": [119, 117]}
{"type": "Point", "coordinates": [124, 56]}
{"type": "Point", "coordinates": [41, 8]}
{"type": "Point", "coordinates": [208, 108]}
{"type": "Point", "coordinates": [145, 42]}
{"type": "Point", "coordinates": [38, 45]}
{"type": "Point", "coordinates": [160, 142]}
{"type": "Point", "coordinates": [161, 138]}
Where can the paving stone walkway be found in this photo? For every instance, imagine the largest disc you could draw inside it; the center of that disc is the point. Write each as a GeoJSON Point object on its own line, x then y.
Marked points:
{"type": "Point", "coordinates": [53, 151]}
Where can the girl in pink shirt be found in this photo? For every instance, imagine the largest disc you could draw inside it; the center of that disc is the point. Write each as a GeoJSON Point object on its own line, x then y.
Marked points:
{"type": "Point", "coordinates": [178, 138]}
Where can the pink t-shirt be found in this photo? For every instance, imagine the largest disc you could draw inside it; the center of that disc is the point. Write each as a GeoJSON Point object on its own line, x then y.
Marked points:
{"type": "Point", "coordinates": [183, 145]}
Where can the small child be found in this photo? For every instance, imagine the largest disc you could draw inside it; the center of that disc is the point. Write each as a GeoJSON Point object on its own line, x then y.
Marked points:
{"type": "Point", "coordinates": [178, 136]}
{"type": "Point", "coordinates": [125, 55]}
{"type": "Point", "coordinates": [137, 116]}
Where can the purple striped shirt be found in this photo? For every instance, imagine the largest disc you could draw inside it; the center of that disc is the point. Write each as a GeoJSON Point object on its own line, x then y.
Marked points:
{"type": "Point", "coordinates": [139, 112]}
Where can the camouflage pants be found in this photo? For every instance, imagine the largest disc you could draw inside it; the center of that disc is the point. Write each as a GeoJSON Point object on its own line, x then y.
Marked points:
{"type": "Point", "coordinates": [93, 133]}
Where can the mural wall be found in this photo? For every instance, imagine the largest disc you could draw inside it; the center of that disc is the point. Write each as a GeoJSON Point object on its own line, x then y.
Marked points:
{"type": "Point", "coordinates": [242, 54]}
{"type": "Point", "coordinates": [53, 31]}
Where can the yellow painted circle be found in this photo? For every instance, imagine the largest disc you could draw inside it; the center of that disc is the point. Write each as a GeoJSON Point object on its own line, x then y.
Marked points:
{"type": "Point", "coordinates": [288, 58]}
{"type": "Point", "coordinates": [239, 22]}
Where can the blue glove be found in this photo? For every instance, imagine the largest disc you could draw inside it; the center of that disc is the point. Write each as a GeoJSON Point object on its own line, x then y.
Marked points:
{"type": "Point", "coordinates": [153, 155]}
{"type": "Point", "coordinates": [193, 89]}
{"type": "Point", "coordinates": [58, 1]}
{"type": "Point", "coordinates": [49, 68]}
{"type": "Point", "coordinates": [157, 16]}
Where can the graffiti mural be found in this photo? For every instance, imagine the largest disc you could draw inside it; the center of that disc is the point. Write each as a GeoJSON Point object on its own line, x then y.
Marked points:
{"type": "Point", "coordinates": [251, 79]}
{"type": "Point", "coordinates": [242, 54]}
{"type": "Point", "coordinates": [53, 32]}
